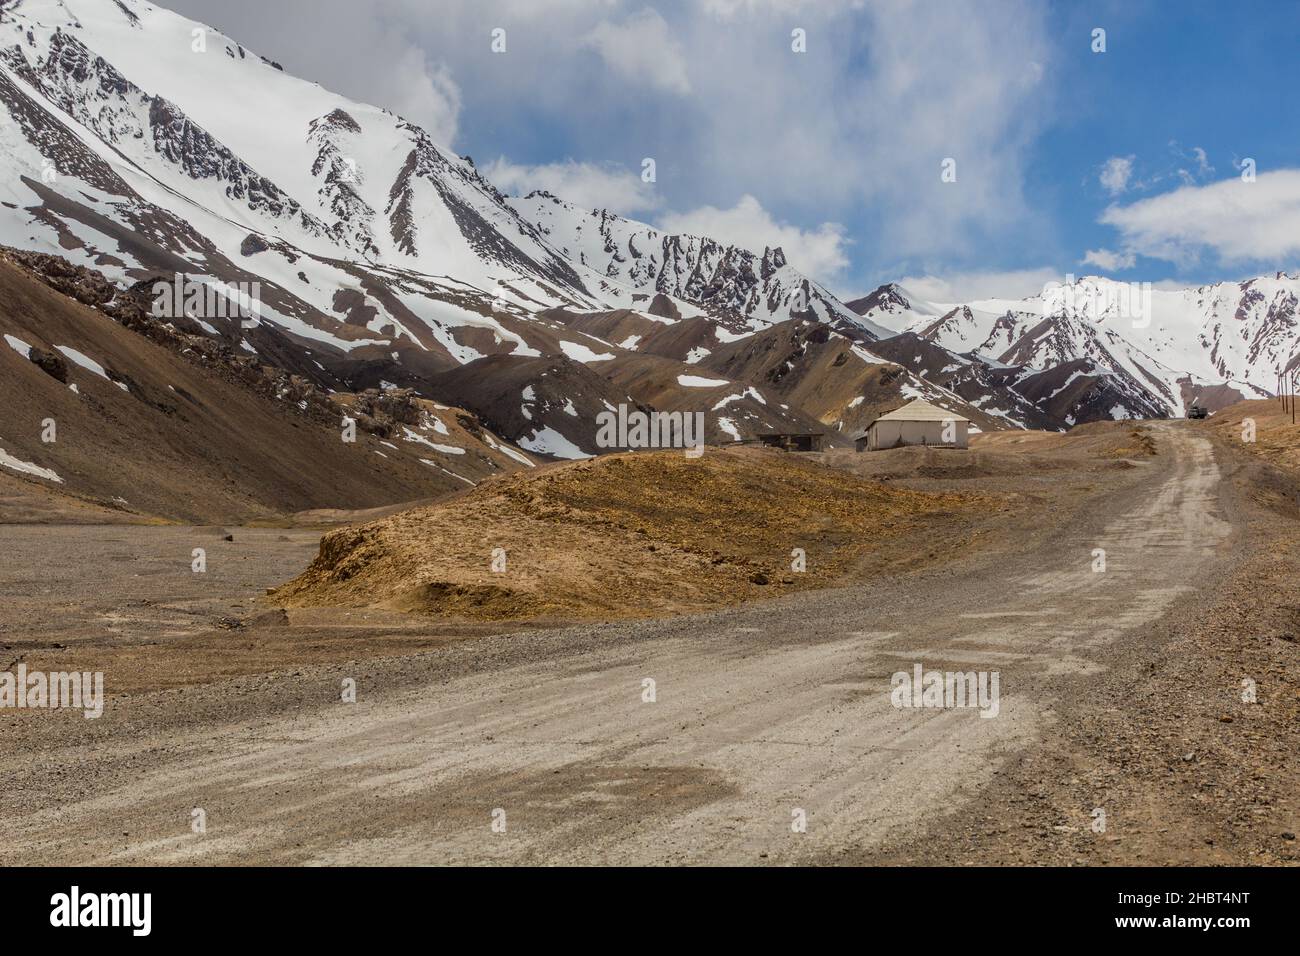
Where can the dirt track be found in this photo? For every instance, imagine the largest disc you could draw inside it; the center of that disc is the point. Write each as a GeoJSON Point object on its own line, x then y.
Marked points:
{"type": "Point", "coordinates": [760, 712]}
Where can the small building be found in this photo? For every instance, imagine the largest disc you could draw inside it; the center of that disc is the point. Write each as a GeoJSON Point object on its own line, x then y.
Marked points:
{"type": "Point", "coordinates": [916, 423]}
{"type": "Point", "coordinates": [793, 441]}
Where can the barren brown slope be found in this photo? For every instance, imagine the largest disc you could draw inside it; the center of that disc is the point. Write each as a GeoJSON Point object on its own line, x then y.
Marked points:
{"type": "Point", "coordinates": [732, 410]}
{"type": "Point", "coordinates": [522, 397]}
{"type": "Point", "coordinates": [831, 377]}
{"type": "Point", "coordinates": [1261, 428]}
{"type": "Point", "coordinates": [983, 386]}
{"type": "Point", "coordinates": [615, 326]}
{"type": "Point", "coordinates": [173, 435]}
{"type": "Point", "coordinates": [626, 535]}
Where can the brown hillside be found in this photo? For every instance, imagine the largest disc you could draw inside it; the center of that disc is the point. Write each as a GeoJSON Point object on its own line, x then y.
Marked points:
{"type": "Point", "coordinates": [624, 535]}
{"type": "Point", "coordinates": [176, 432]}
{"type": "Point", "coordinates": [1276, 439]}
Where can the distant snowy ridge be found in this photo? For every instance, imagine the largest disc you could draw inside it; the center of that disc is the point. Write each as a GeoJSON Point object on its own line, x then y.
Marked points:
{"type": "Point", "coordinates": [1164, 345]}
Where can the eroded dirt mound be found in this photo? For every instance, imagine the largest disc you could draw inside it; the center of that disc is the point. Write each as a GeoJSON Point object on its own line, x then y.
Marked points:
{"type": "Point", "coordinates": [621, 536]}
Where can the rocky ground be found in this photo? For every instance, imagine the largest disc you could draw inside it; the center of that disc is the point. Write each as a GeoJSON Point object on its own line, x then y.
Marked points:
{"type": "Point", "coordinates": [1121, 693]}
{"type": "Point", "coordinates": [1188, 744]}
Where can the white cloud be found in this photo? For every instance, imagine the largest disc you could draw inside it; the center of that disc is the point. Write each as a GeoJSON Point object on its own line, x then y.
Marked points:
{"type": "Point", "coordinates": [1109, 261]}
{"type": "Point", "coordinates": [1239, 222]}
{"type": "Point", "coordinates": [586, 185]}
{"type": "Point", "coordinates": [849, 131]}
{"type": "Point", "coordinates": [1202, 161]}
{"type": "Point", "coordinates": [976, 285]}
{"type": "Point", "coordinates": [422, 93]}
{"type": "Point", "coordinates": [1115, 174]}
{"type": "Point", "coordinates": [643, 49]}
{"type": "Point", "coordinates": [367, 52]}
{"type": "Point", "coordinates": [872, 130]}
{"type": "Point", "coordinates": [1200, 158]}
{"type": "Point", "coordinates": [726, 9]}
{"type": "Point", "coordinates": [852, 131]}
{"type": "Point", "coordinates": [818, 253]}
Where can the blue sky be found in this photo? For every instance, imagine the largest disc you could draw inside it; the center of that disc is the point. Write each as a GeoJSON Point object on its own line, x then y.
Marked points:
{"type": "Point", "coordinates": [1175, 80]}
{"type": "Point", "coordinates": [1123, 163]}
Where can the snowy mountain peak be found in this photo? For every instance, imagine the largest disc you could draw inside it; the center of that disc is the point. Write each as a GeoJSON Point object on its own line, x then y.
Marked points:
{"type": "Point", "coordinates": [127, 146]}
{"type": "Point", "coordinates": [888, 299]}
{"type": "Point", "coordinates": [1159, 343]}
{"type": "Point", "coordinates": [724, 279]}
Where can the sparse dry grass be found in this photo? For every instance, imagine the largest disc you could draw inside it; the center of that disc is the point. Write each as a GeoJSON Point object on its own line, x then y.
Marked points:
{"type": "Point", "coordinates": [620, 536]}
{"type": "Point", "coordinates": [1277, 441]}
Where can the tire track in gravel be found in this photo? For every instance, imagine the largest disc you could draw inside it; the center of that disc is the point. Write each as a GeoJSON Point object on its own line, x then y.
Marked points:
{"type": "Point", "coordinates": [747, 726]}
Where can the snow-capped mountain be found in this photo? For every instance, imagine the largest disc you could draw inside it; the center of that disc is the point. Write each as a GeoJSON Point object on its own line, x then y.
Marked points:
{"type": "Point", "coordinates": [724, 280]}
{"type": "Point", "coordinates": [1152, 351]}
{"type": "Point", "coordinates": [137, 141]}
{"type": "Point", "coordinates": [141, 144]}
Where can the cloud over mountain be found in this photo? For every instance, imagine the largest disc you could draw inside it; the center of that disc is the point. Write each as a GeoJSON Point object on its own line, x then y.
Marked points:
{"type": "Point", "coordinates": [1238, 222]}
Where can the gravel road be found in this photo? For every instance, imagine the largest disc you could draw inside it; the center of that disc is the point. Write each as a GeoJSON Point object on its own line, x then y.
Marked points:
{"type": "Point", "coordinates": [771, 736]}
